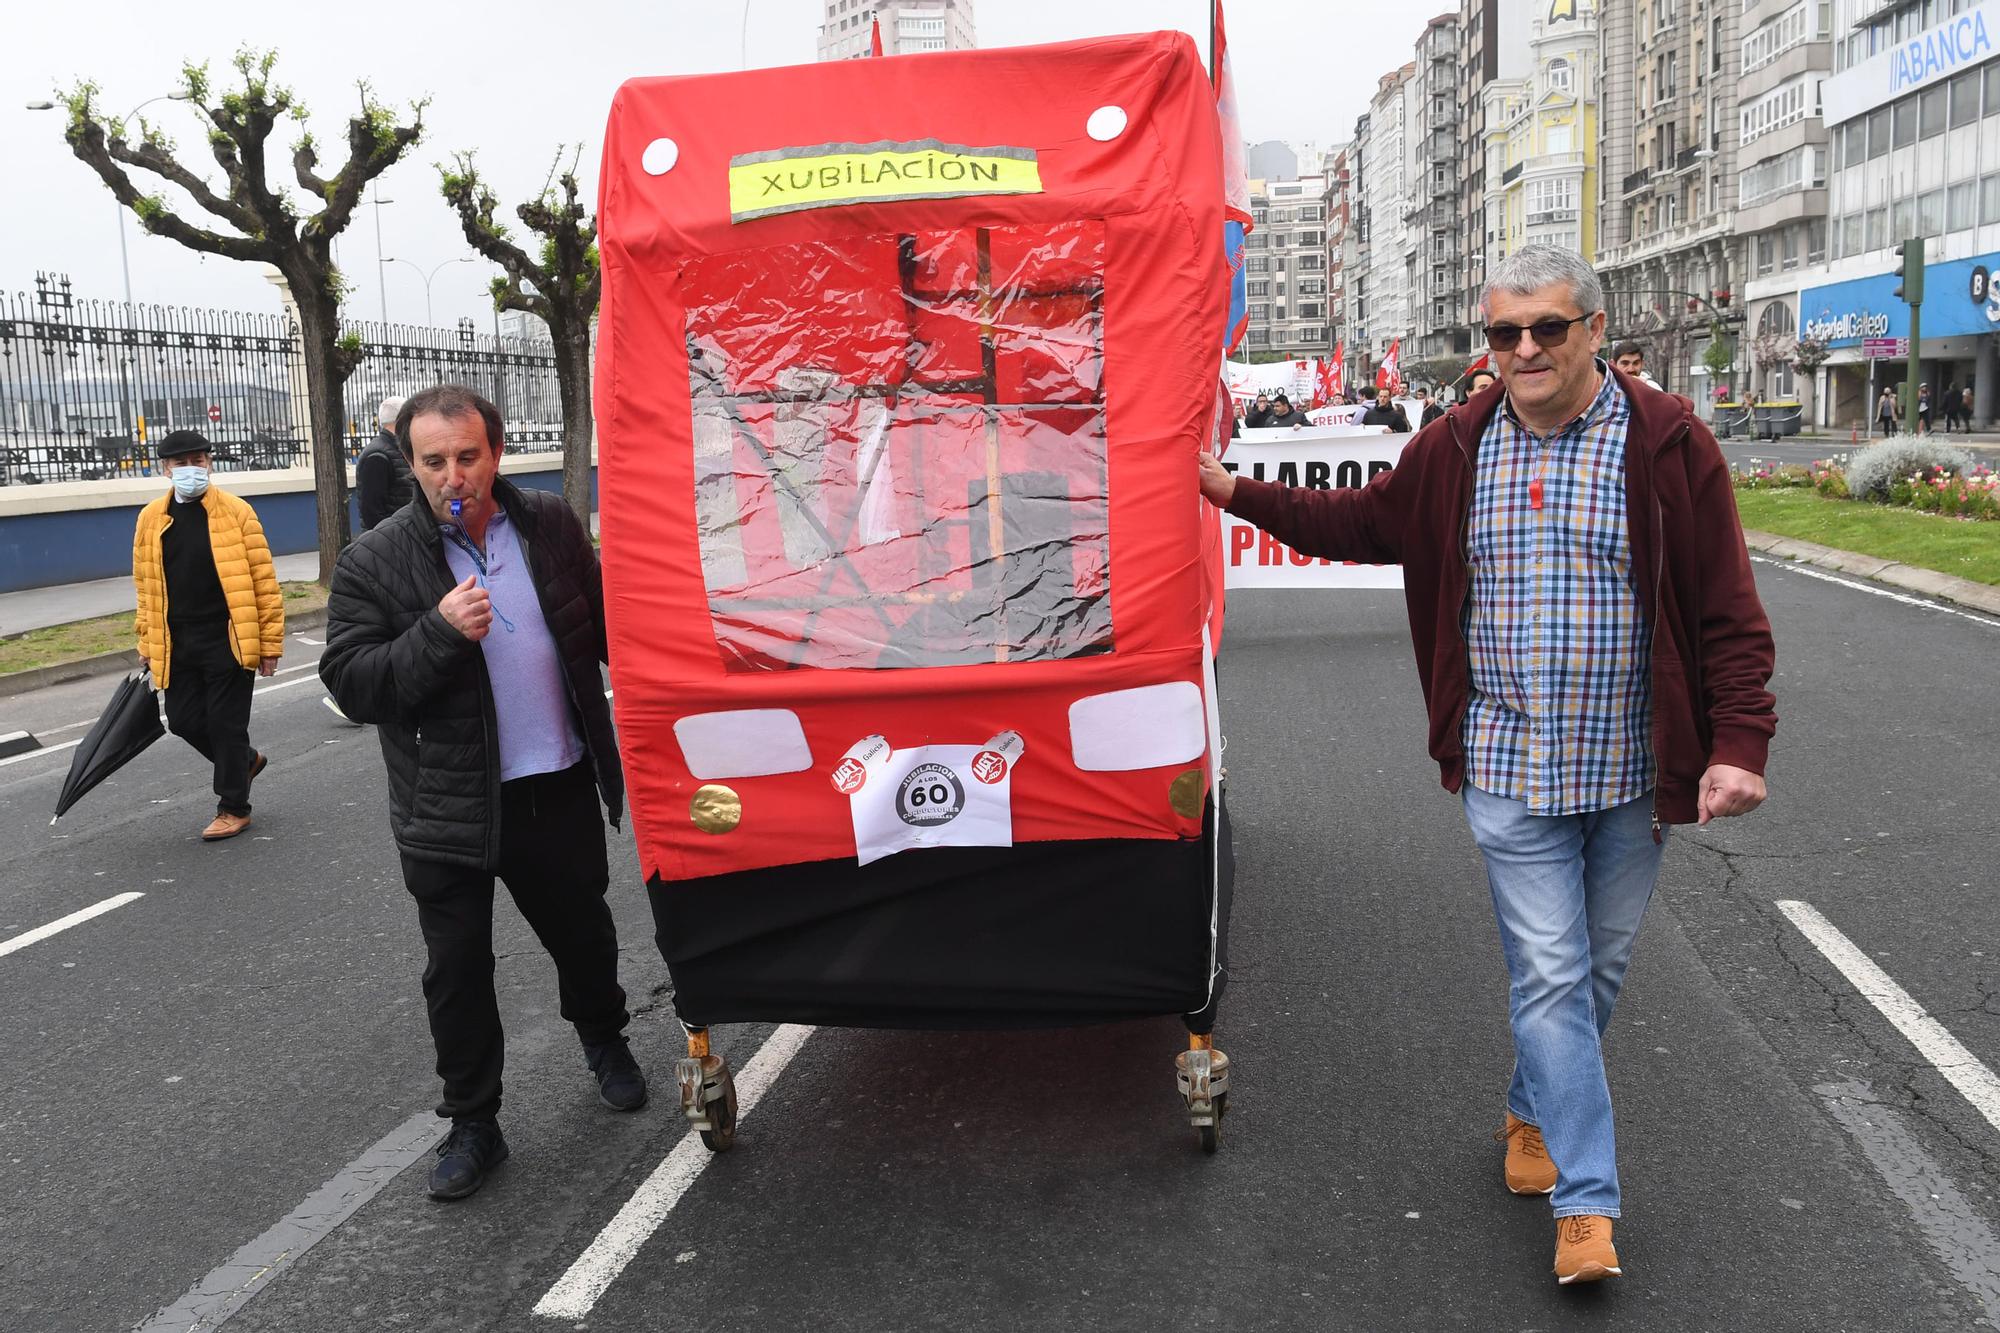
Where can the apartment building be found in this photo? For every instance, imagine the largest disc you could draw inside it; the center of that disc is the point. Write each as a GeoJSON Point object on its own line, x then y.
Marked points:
{"type": "Point", "coordinates": [1385, 185]}
{"type": "Point", "coordinates": [1912, 110]}
{"type": "Point", "coordinates": [1434, 268]}
{"type": "Point", "coordinates": [1542, 141]}
{"type": "Point", "coordinates": [1667, 176]}
{"type": "Point", "coordinates": [1285, 268]}
{"type": "Point", "coordinates": [908, 26]}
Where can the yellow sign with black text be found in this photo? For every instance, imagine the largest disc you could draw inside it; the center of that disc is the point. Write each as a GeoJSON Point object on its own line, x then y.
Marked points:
{"type": "Point", "coordinates": [787, 180]}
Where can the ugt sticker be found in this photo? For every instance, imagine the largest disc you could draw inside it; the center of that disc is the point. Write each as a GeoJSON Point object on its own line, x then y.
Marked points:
{"type": "Point", "coordinates": [989, 766]}
{"type": "Point", "coordinates": [848, 776]}
{"type": "Point", "coordinates": [931, 794]}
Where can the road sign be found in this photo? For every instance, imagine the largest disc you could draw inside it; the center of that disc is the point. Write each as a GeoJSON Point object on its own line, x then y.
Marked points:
{"type": "Point", "coordinates": [1885, 347]}
{"type": "Point", "coordinates": [214, 412]}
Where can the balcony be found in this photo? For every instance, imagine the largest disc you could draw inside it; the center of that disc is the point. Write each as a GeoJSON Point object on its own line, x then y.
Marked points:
{"type": "Point", "coordinates": [1636, 181]}
{"type": "Point", "coordinates": [1550, 216]}
{"type": "Point", "coordinates": [1512, 173]}
{"type": "Point", "coordinates": [1667, 241]}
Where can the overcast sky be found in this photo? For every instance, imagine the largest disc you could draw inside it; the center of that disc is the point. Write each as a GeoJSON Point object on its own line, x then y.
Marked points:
{"type": "Point", "coordinates": [516, 80]}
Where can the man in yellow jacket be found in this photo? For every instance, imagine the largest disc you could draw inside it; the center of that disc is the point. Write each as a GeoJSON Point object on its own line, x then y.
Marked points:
{"type": "Point", "coordinates": [210, 614]}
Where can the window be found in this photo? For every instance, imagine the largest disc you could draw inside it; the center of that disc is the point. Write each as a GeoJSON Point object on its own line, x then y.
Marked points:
{"type": "Point", "coordinates": [1962, 207]}
{"type": "Point", "coordinates": [1906, 122]}
{"type": "Point", "coordinates": [1965, 98]}
{"type": "Point", "coordinates": [1993, 89]}
{"type": "Point", "coordinates": [1850, 235]}
{"type": "Point", "coordinates": [1257, 264]}
{"type": "Point", "coordinates": [1788, 249]}
{"type": "Point", "coordinates": [1767, 254]}
{"type": "Point", "coordinates": [1261, 313]}
{"type": "Point", "coordinates": [1782, 106]}
{"type": "Point", "coordinates": [1561, 77]}
{"type": "Point", "coordinates": [1989, 199]}
{"type": "Point", "coordinates": [1878, 132]}
{"type": "Point", "coordinates": [1930, 213]}
{"type": "Point", "coordinates": [1257, 288]}
{"type": "Point", "coordinates": [1853, 143]}
{"type": "Point", "coordinates": [1308, 310]}
{"type": "Point", "coordinates": [1930, 104]}
{"type": "Point", "coordinates": [1816, 240]}
{"type": "Point", "coordinates": [1561, 139]}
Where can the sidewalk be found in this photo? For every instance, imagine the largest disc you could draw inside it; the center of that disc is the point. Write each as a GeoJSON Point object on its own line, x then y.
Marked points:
{"type": "Point", "coordinates": [38, 608]}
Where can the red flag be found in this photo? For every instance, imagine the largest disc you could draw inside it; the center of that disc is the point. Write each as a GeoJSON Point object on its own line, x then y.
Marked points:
{"type": "Point", "coordinates": [1329, 381]}
{"type": "Point", "coordinates": [1339, 367]}
{"type": "Point", "coordinates": [1389, 375]}
{"type": "Point", "coordinates": [1235, 175]}
{"type": "Point", "coordinates": [875, 37]}
{"type": "Point", "coordinates": [1485, 362]}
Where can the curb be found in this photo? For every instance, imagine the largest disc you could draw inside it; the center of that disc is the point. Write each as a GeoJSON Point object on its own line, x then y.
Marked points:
{"type": "Point", "coordinates": [105, 664]}
{"type": "Point", "coordinates": [1925, 582]}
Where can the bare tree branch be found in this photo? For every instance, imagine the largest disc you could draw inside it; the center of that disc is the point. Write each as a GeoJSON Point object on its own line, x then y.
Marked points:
{"type": "Point", "coordinates": [89, 142]}
{"type": "Point", "coordinates": [161, 162]}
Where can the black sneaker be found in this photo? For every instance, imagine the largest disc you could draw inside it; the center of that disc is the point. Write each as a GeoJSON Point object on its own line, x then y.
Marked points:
{"type": "Point", "coordinates": [473, 1148]}
{"type": "Point", "coordinates": [620, 1084]}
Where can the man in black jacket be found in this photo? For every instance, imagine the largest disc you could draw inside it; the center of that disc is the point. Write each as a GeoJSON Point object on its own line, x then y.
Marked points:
{"type": "Point", "coordinates": [382, 475]}
{"type": "Point", "coordinates": [468, 626]}
{"type": "Point", "coordinates": [1386, 412]}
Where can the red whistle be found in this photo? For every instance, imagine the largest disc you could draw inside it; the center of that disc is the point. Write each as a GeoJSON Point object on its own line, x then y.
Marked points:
{"type": "Point", "coordinates": [1535, 493]}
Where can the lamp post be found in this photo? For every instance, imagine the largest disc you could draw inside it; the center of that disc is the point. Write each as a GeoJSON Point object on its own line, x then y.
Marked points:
{"type": "Point", "coordinates": [381, 264]}
{"type": "Point", "coordinates": [124, 262]}
{"type": "Point", "coordinates": [460, 259]}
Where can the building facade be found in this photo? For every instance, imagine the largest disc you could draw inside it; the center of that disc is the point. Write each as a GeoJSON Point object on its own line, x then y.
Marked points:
{"type": "Point", "coordinates": [1434, 272]}
{"type": "Point", "coordinates": [1913, 113]}
{"type": "Point", "coordinates": [1542, 141]}
{"type": "Point", "coordinates": [1667, 178]}
{"type": "Point", "coordinates": [1285, 268]}
{"type": "Point", "coordinates": [1385, 187]}
{"type": "Point", "coordinates": [1337, 199]}
{"type": "Point", "coordinates": [908, 26]}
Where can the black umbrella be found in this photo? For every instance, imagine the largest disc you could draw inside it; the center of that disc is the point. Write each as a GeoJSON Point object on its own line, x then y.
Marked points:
{"type": "Point", "coordinates": [129, 725]}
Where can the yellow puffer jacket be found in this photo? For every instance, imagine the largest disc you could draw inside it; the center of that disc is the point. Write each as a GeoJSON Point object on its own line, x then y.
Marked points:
{"type": "Point", "coordinates": [242, 562]}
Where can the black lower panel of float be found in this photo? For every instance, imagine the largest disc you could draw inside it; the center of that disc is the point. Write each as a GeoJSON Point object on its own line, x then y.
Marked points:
{"type": "Point", "coordinates": [1037, 935]}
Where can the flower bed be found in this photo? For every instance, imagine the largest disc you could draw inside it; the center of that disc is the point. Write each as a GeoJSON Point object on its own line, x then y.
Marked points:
{"type": "Point", "coordinates": [1971, 494]}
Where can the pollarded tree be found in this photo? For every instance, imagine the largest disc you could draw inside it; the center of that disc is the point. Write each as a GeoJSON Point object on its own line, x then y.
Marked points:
{"type": "Point", "coordinates": [560, 288]}
{"type": "Point", "coordinates": [260, 223]}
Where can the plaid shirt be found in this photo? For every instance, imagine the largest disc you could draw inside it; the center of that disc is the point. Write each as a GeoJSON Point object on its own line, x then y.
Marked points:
{"type": "Point", "coordinates": [1557, 635]}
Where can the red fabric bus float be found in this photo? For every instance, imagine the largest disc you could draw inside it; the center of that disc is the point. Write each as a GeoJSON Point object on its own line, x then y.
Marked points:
{"type": "Point", "coordinates": [902, 368]}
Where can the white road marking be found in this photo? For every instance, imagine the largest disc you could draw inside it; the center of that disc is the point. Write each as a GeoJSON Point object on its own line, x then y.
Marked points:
{"type": "Point", "coordinates": [211, 1301]}
{"type": "Point", "coordinates": [71, 745]}
{"type": "Point", "coordinates": [37, 754]}
{"type": "Point", "coordinates": [57, 927]}
{"type": "Point", "coordinates": [598, 1266]}
{"type": "Point", "coordinates": [1905, 598]}
{"type": "Point", "coordinates": [1945, 1052]}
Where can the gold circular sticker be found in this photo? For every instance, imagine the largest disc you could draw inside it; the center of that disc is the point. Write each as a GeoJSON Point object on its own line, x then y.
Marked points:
{"type": "Point", "coordinates": [1186, 793]}
{"type": "Point", "coordinates": [715, 808]}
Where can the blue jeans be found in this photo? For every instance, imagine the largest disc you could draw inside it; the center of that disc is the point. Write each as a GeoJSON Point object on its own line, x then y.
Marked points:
{"type": "Point", "coordinates": [1569, 892]}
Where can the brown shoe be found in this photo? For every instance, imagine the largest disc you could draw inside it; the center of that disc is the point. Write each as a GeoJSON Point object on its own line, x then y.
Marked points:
{"type": "Point", "coordinates": [1528, 1169]}
{"type": "Point", "coordinates": [257, 764]}
{"type": "Point", "coordinates": [225, 826]}
{"type": "Point", "coordinates": [1583, 1250]}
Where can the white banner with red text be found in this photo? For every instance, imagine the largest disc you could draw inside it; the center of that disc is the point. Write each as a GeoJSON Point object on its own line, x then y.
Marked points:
{"type": "Point", "coordinates": [1326, 458]}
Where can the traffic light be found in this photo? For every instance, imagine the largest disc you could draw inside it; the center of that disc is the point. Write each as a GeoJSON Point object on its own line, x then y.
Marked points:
{"type": "Point", "coordinates": [1910, 269]}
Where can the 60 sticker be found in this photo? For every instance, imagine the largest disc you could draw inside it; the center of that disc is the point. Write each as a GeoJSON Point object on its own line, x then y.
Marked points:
{"type": "Point", "coordinates": [930, 794]}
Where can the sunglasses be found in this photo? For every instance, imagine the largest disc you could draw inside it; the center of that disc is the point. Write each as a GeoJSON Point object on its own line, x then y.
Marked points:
{"type": "Point", "coordinates": [1548, 333]}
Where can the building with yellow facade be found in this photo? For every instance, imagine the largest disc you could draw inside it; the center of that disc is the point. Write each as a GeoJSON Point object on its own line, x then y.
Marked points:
{"type": "Point", "coordinates": [1541, 139]}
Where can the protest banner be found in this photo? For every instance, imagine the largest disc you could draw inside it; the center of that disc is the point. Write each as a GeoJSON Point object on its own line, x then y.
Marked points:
{"type": "Point", "coordinates": [1321, 458]}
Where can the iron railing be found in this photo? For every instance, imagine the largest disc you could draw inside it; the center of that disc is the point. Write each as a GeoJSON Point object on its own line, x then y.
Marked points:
{"type": "Point", "coordinates": [88, 387]}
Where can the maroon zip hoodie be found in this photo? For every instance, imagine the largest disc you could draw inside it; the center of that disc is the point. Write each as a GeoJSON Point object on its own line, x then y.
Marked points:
{"type": "Point", "coordinates": [1712, 652]}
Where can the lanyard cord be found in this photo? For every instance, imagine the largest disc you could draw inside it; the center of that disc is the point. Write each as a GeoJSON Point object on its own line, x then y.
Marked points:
{"type": "Point", "coordinates": [464, 542]}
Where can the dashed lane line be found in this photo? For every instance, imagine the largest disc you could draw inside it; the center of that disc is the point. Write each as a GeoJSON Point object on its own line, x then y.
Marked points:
{"type": "Point", "coordinates": [1905, 598]}
{"type": "Point", "coordinates": [211, 1301]}
{"type": "Point", "coordinates": [578, 1290]}
{"type": "Point", "coordinates": [1945, 1052]}
{"type": "Point", "coordinates": [57, 927]}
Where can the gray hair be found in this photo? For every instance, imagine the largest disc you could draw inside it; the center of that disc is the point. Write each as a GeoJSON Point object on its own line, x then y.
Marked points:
{"type": "Point", "coordinates": [1534, 267]}
{"type": "Point", "coordinates": [385, 415]}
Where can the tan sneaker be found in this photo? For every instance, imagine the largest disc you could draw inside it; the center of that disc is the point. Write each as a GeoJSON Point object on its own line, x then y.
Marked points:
{"type": "Point", "coordinates": [1528, 1169]}
{"type": "Point", "coordinates": [1583, 1250]}
{"type": "Point", "coordinates": [225, 826]}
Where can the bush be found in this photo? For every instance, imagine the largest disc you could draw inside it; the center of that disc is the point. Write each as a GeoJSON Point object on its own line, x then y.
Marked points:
{"type": "Point", "coordinates": [1873, 471]}
{"type": "Point", "coordinates": [1762, 476]}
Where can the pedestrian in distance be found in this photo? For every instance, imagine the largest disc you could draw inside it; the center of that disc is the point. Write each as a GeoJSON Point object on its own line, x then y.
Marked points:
{"type": "Point", "coordinates": [1923, 409]}
{"type": "Point", "coordinates": [1965, 408]}
{"type": "Point", "coordinates": [1476, 383]}
{"type": "Point", "coordinates": [468, 627]}
{"type": "Point", "coordinates": [1430, 411]}
{"type": "Point", "coordinates": [1887, 412]}
{"type": "Point", "coordinates": [1284, 415]}
{"type": "Point", "coordinates": [1629, 357]}
{"type": "Point", "coordinates": [381, 475]}
{"type": "Point", "coordinates": [1594, 660]}
{"type": "Point", "coordinates": [1387, 412]}
{"type": "Point", "coordinates": [1259, 415]}
{"type": "Point", "coordinates": [211, 619]}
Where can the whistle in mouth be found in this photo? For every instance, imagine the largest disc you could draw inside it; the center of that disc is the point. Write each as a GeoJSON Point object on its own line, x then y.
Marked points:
{"type": "Point", "coordinates": [457, 508]}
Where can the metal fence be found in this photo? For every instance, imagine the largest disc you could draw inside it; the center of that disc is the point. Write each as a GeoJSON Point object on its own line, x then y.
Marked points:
{"type": "Point", "coordinates": [87, 386]}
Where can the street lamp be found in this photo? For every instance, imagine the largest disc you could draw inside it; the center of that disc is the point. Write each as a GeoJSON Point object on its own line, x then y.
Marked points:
{"type": "Point", "coordinates": [461, 259]}
{"type": "Point", "coordinates": [124, 263]}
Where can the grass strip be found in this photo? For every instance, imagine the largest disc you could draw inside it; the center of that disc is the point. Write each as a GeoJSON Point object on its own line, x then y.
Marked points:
{"type": "Point", "coordinates": [1948, 545]}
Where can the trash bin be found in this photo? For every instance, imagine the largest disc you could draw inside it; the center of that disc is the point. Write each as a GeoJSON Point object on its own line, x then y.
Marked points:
{"type": "Point", "coordinates": [1778, 418]}
{"type": "Point", "coordinates": [1728, 416]}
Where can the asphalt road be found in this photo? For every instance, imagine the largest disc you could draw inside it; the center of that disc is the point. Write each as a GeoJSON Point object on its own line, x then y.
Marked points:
{"type": "Point", "coordinates": [184, 1071]}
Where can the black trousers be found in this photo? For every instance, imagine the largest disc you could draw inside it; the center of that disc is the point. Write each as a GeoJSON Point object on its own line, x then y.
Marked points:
{"type": "Point", "coordinates": [553, 862]}
{"type": "Point", "coordinates": [208, 706]}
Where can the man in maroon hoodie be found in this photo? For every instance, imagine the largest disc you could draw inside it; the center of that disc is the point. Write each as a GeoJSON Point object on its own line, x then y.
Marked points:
{"type": "Point", "coordinates": [1593, 658]}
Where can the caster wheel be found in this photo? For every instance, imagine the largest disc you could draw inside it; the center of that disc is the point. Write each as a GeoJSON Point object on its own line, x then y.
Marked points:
{"type": "Point", "coordinates": [722, 1115]}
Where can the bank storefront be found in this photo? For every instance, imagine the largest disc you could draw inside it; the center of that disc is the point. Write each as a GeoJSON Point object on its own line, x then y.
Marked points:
{"type": "Point", "coordinates": [1961, 337]}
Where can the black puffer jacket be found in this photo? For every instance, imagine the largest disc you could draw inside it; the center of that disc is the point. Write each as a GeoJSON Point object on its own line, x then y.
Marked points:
{"type": "Point", "coordinates": [392, 660]}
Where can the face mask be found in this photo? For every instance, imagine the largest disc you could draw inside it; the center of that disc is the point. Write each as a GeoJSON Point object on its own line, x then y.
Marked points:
{"type": "Point", "coordinates": [189, 482]}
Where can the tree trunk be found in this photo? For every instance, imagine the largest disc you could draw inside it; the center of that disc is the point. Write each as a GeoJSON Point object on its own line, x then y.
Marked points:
{"type": "Point", "coordinates": [320, 328]}
{"type": "Point", "coordinates": [579, 426]}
